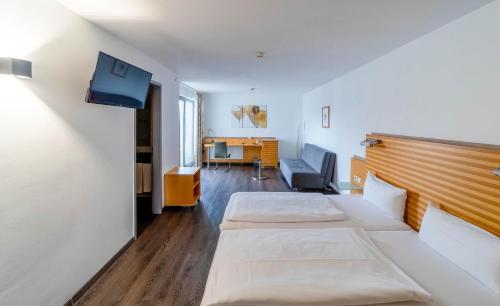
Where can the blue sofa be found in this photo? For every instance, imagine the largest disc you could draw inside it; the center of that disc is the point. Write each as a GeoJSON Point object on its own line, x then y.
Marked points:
{"type": "Point", "coordinates": [313, 171]}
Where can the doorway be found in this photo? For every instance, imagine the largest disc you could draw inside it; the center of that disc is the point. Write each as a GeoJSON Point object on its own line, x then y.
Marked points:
{"type": "Point", "coordinates": [148, 177]}
{"type": "Point", "coordinates": [188, 114]}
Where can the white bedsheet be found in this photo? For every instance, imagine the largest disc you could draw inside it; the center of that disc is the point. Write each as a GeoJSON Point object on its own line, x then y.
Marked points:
{"type": "Point", "coordinates": [304, 267]}
{"type": "Point", "coordinates": [448, 283]}
{"type": "Point", "coordinates": [281, 207]}
{"type": "Point", "coordinates": [358, 212]}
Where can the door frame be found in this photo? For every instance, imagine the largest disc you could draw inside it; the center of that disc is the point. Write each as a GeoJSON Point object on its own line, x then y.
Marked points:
{"type": "Point", "coordinates": [157, 180]}
{"type": "Point", "coordinates": [156, 110]}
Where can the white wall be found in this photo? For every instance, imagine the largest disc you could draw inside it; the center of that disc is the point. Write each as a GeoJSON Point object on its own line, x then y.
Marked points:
{"type": "Point", "coordinates": [444, 85]}
{"type": "Point", "coordinates": [67, 167]}
{"type": "Point", "coordinates": [283, 121]}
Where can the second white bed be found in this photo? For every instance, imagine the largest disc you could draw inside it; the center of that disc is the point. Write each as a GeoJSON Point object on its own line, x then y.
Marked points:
{"type": "Point", "coordinates": [357, 212]}
{"type": "Point", "coordinates": [306, 270]}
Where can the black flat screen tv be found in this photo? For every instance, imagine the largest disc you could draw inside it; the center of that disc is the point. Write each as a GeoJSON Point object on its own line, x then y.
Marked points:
{"type": "Point", "coordinates": [118, 83]}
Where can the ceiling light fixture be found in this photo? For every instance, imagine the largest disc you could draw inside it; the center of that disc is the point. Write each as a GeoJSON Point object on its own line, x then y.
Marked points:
{"type": "Point", "coordinates": [14, 66]}
{"type": "Point", "coordinates": [260, 54]}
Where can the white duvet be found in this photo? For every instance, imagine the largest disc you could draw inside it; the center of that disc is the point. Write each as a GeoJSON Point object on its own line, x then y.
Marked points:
{"type": "Point", "coordinates": [304, 267]}
{"type": "Point", "coordinates": [281, 207]}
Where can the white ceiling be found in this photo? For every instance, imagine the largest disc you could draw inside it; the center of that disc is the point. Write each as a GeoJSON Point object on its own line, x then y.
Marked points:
{"type": "Point", "coordinates": [211, 44]}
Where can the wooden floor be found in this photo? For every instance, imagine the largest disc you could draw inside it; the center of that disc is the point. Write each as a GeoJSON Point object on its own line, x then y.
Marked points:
{"type": "Point", "coordinates": [169, 263]}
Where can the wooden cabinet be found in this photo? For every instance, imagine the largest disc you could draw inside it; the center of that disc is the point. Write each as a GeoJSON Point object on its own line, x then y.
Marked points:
{"type": "Point", "coordinates": [269, 153]}
{"type": "Point", "coordinates": [182, 186]}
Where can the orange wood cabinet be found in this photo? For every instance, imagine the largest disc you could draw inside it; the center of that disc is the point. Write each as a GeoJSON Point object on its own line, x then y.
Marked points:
{"type": "Point", "coordinates": [182, 186]}
{"type": "Point", "coordinates": [269, 153]}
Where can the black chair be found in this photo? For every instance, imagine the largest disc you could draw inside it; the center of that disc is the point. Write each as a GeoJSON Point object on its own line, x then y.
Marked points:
{"type": "Point", "coordinates": [221, 153]}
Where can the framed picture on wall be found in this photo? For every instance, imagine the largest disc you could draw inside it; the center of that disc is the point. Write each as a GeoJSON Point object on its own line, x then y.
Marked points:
{"type": "Point", "coordinates": [237, 116]}
{"type": "Point", "coordinates": [325, 116]}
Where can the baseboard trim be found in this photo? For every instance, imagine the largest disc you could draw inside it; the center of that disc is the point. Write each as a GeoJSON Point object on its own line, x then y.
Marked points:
{"type": "Point", "coordinates": [91, 282]}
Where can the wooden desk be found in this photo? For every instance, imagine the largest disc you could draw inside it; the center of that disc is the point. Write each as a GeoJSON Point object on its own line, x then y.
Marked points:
{"type": "Point", "coordinates": [182, 186]}
{"type": "Point", "coordinates": [253, 148]}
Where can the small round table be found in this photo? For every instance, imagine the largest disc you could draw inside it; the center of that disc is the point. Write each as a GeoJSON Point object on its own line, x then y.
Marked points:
{"type": "Point", "coordinates": [348, 188]}
{"type": "Point", "coordinates": [260, 177]}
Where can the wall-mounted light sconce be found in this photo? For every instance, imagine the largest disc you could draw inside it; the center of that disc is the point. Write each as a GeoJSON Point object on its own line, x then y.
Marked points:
{"type": "Point", "coordinates": [496, 171]}
{"type": "Point", "coordinates": [370, 142]}
{"type": "Point", "coordinates": [14, 66]}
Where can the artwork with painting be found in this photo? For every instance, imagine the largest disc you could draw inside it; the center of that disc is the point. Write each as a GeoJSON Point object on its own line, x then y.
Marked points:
{"type": "Point", "coordinates": [249, 116]}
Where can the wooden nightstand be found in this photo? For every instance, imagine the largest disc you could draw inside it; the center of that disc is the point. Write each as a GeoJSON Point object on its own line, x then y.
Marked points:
{"type": "Point", "coordinates": [347, 188]}
{"type": "Point", "coordinates": [182, 186]}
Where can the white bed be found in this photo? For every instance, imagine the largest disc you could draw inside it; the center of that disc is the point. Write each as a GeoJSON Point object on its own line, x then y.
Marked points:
{"type": "Point", "coordinates": [448, 283]}
{"type": "Point", "coordinates": [269, 274]}
{"type": "Point", "coordinates": [358, 214]}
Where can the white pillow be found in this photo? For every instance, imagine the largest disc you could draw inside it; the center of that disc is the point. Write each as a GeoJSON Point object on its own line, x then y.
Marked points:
{"type": "Point", "coordinates": [389, 198]}
{"type": "Point", "coordinates": [466, 245]}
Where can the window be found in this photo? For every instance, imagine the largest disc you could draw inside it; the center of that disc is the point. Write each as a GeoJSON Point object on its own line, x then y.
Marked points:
{"type": "Point", "coordinates": [188, 131]}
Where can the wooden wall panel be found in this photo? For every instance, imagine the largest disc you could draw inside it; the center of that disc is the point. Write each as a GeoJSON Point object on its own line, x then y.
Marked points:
{"type": "Point", "coordinates": [455, 175]}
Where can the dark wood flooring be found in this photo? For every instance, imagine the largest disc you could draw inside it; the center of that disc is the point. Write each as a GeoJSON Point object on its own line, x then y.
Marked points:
{"type": "Point", "coordinates": [169, 263]}
{"type": "Point", "coordinates": [144, 215]}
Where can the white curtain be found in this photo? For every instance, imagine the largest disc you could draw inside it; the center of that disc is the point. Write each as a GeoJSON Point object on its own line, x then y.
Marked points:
{"type": "Point", "coordinates": [200, 130]}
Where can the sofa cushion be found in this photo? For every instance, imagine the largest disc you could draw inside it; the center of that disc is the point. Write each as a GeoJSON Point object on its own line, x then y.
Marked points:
{"type": "Point", "coordinates": [299, 174]}
{"type": "Point", "coordinates": [316, 157]}
{"type": "Point", "coordinates": [329, 174]}
{"type": "Point", "coordinates": [297, 166]}
{"type": "Point", "coordinates": [314, 170]}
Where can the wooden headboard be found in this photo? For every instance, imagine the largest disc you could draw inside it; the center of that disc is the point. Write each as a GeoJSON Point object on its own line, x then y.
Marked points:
{"type": "Point", "coordinates": [457, 176]}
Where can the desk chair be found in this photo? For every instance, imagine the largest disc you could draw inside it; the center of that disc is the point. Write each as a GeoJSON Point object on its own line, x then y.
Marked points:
{"type": "Point", "coordinates": [221, 153]}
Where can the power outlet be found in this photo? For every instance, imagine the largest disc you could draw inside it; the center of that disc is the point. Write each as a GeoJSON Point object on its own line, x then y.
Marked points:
{"type": "Point", "coordinates": [357, 179]}
{"type": "Point", "coordinates": [496, 171]}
